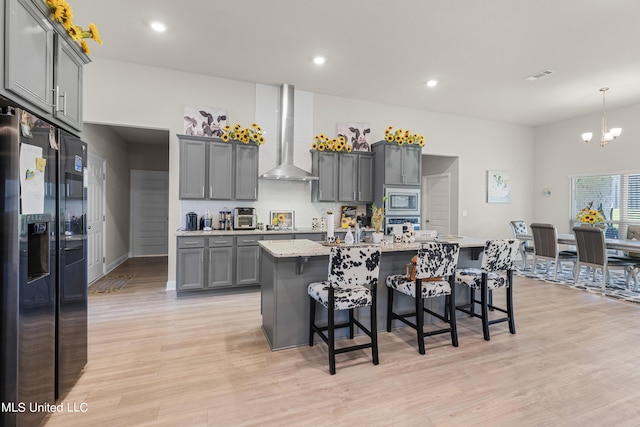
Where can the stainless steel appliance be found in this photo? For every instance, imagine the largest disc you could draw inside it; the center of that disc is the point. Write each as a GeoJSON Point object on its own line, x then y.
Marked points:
{"type": "Point", "coordinates": [393, 224]}
{"type": "Point", "coordinates": [43, 284]}
{"type": "Point", "coordinates": [244, 219]}
{"type": "Point", "coordinates": [402, 201]}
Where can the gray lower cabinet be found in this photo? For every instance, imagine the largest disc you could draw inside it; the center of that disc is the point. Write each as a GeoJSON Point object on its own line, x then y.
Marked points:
{"type": "Point", "coordinates": [190, 263]}
{"type": "Point", "coordinates": [217, 262]}
{"type": "Point", "coordinates": [220, 263]}
{"type": "Point", "coordinates": [42, 65]}
{"type": "Point", "coordinates": [215, 170]}
{"type": "Point", "coordinates": [247, 259]}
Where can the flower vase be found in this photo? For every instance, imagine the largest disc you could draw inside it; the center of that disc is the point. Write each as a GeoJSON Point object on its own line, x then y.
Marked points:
{"type": "Point", "coordinates": [377, 237]}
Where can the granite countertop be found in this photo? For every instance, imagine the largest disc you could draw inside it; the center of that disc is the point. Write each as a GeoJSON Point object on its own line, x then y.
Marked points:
{"type": "Point", "coordinates": [185, 233]}
{"type": "Point", "coordinates": [304, 247]}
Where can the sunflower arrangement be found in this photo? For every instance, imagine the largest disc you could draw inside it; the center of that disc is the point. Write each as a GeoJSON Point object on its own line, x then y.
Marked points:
{"type": "Point", "coordinates": [278, 220]}
{"type": "Point", "coordinates": [62, 13]}
{"type": "Point", "coordinates": [588, 215]}
{"type": "Point", "coordinates": [377, 216]}
{"type": "Point", "coordinates": [253, 134]}
{"type": "Point", "coordinates": [403, 136]}
{"type": "Point", "coordinates": [322, 143]}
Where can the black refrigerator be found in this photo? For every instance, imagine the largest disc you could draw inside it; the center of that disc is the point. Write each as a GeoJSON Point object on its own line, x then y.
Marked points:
{"type": "Point", "coordinates": [43, 286]}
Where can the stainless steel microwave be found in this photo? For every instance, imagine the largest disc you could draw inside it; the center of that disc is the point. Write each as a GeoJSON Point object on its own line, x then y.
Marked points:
{"type": "Point", "coordinates": [402, 202]}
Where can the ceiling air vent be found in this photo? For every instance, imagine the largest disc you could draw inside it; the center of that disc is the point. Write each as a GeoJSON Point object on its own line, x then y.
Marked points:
{"type": "Point", "coordinates": [539, 75]}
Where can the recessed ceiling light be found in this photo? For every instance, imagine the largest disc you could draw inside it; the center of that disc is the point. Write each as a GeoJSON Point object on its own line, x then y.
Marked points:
{"type": "Point", "coordinates": [159, 27]}
{"type": "Point", "coordinates": [432, 83]}
{"type": "Point", "coordinates": [319, 60]}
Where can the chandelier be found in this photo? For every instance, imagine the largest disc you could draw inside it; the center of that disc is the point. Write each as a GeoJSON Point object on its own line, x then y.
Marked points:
{"type": "Point", "coordinates": [607, 135]}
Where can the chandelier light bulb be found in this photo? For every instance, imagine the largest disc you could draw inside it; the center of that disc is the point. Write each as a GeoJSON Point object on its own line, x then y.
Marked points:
{"type": "Point", "coordinates": [615, 132]}
{"type": "Point", "coordinates": [586, 137]}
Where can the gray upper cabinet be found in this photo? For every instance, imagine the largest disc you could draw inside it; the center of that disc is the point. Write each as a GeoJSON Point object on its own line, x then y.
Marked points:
{"type": "Point", "coordinates": [246, 164]}
{"type": "Point", "coordinates": [220, 171]}
{"type": "Point", "coordinates": [42, 66]}
{"type": "Point", "coordinates": [400, 164]}
{"type": "Point", "coordinates": [325, 166]}
{"type": "Point", "coordinates": [193, 156]}
{"type": "Point", "coordinates": [344, 177]}
{"type": "Point", "coordinates": [216, 170]}
{"type": "Point", "coordinates": [68, 84]}
{"type": "Point", "coordinates": [355, 177]}
{"type": "Point", "coordinates": [29, 54]}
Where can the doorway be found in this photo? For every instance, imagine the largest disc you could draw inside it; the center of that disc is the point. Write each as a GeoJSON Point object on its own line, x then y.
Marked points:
{"type": "Point", "coordinates": [149, 213]}
{"type": "Point", "coordinates": [436, 203]}
{"type": "Point", "coordinates": [95, 217]}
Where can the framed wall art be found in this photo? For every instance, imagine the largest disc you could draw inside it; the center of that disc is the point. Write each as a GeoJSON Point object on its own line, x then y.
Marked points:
{"type": "Point", "coordinates": [204, 121]}
{"type": "Point", "coordinates": [498, 187]}
{"type": "Point", "coordinates": [282, 219]}
{"type": "Point", "coordinates": [356, 134]}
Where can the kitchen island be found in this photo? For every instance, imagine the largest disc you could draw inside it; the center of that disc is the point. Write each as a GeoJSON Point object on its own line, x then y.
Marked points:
{"type": "Point", "coordinates": [288, 266]}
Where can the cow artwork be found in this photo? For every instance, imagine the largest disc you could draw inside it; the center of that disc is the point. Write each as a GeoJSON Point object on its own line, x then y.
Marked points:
{"type": "Point", "coordinates": [356, 134]}
{"type": "Point", "coordinates": [204, 121]}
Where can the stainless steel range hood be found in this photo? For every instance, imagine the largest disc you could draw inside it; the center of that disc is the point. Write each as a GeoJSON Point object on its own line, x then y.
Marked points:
{"type": "Point", "coordinates": [285, 170]}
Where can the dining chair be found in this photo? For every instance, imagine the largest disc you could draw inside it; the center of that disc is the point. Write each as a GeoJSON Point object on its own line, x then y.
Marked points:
{"type": "Point", "coordinates": [545, 247]}
{"type": "Point", "coordinates": [498, 260]}
{"type": "Point", "coordinates": [519, 227]}
{"type": "Point", "coordinates": [351, 283]}
{"type": "Point", "coordinates": [592, 253]}
{"type": "Point", "coordinates": [633, 233]}
{"type": "Point", "coordinates": [435, 277]}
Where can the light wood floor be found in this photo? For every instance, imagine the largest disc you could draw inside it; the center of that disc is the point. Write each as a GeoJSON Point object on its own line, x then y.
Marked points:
{"type": "Point", "coordinates": [155, 360]}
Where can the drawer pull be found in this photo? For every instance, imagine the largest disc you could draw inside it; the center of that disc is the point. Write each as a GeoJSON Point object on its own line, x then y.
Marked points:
{"type": "Point", "coordinates": [190, 243]}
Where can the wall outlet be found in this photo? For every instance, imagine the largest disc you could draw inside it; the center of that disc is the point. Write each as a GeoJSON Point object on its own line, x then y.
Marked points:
{"type": "Point", "coordinates": [464, 213]}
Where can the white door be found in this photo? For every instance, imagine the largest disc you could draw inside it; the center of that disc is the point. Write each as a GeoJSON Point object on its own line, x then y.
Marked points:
{"type": "Point", "coordinates": [436, 203]}
{"type": "Point", "coordinates": [149, 213]}
{"type": "Point", "coordinates": [95, 217]}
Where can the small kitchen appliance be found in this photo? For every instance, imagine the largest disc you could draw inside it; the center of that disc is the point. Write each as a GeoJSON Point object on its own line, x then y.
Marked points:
{"type": "Point", "coordinates": [244, 219]}
{"type": "Point", "coordinates": [192, 221]}
{"type": "Point", "coordinates": [207, 222]}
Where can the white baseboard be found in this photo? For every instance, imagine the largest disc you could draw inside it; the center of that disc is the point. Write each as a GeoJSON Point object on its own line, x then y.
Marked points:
{"type": "Point", "coordinates": [171, 285]}
{"type": "Point", "coordinates": [111, 266]}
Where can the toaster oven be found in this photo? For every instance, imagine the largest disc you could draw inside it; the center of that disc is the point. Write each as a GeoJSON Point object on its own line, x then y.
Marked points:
{"type": "Point", "coordinates": [244, 219]}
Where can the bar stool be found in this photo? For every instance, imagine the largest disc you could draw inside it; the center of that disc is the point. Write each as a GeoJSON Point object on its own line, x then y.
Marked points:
{"type": "Point", "coordinates": [496, 272]}
{"type": "Point", "coordinates": [435, 274]}
{"type": "Point", "coordinates": [352, 283]}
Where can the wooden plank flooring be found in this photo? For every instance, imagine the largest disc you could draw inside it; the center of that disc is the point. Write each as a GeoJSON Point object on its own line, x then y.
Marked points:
{"type": "Point", "coordinates": [155, 360]}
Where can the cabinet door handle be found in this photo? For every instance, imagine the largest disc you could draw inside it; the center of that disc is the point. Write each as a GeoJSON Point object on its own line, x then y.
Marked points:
{"type": "Point", "coordinates": [359, 195]}
{"type": "Point", "coordinates": [255, 193]}
{"type": "Point", "coordinates": [55, 91]}
{"type": "Point", "coordinates": [210, 190]}
{"type": "Point", "coordinates": [64, 103]}
{"type": "Point", "coordinates": [203, 191]}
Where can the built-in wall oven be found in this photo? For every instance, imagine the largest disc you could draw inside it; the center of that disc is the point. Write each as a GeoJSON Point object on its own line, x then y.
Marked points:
{"type": "Point", "coordinates": [402, 202]}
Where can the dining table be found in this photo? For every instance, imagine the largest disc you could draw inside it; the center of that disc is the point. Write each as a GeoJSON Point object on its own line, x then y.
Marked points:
{"type": "Point", "coordinates": [626, 245]}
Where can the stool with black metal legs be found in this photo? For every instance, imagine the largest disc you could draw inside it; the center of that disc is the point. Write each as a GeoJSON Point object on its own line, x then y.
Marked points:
{"type": "Point", "coordinates": [351, 284]}
{"type": "Point", "coordinates": [434, 277]}
{"type": "Point", "coordinates": [498, 259]}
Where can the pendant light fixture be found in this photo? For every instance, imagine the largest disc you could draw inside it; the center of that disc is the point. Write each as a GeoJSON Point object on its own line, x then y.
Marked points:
{"type": "Point", "coordinates": [607, 135]}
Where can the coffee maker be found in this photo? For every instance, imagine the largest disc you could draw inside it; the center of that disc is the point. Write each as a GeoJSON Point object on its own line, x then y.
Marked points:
{"type": "Point", "coordinates": [225, 221]}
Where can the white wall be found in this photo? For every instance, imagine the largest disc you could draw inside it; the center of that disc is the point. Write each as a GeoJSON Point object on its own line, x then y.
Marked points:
{"type": "Point", "coordinates": [106, 144]}
{"type": "Point", "coordinates": [560, 153]}
{"type": "Point", "coordinates": [155, 98]}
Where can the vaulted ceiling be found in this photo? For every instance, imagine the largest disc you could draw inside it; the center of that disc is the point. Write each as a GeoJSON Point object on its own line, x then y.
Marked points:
{"type": "Point", "coordinates": [481, 52]}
